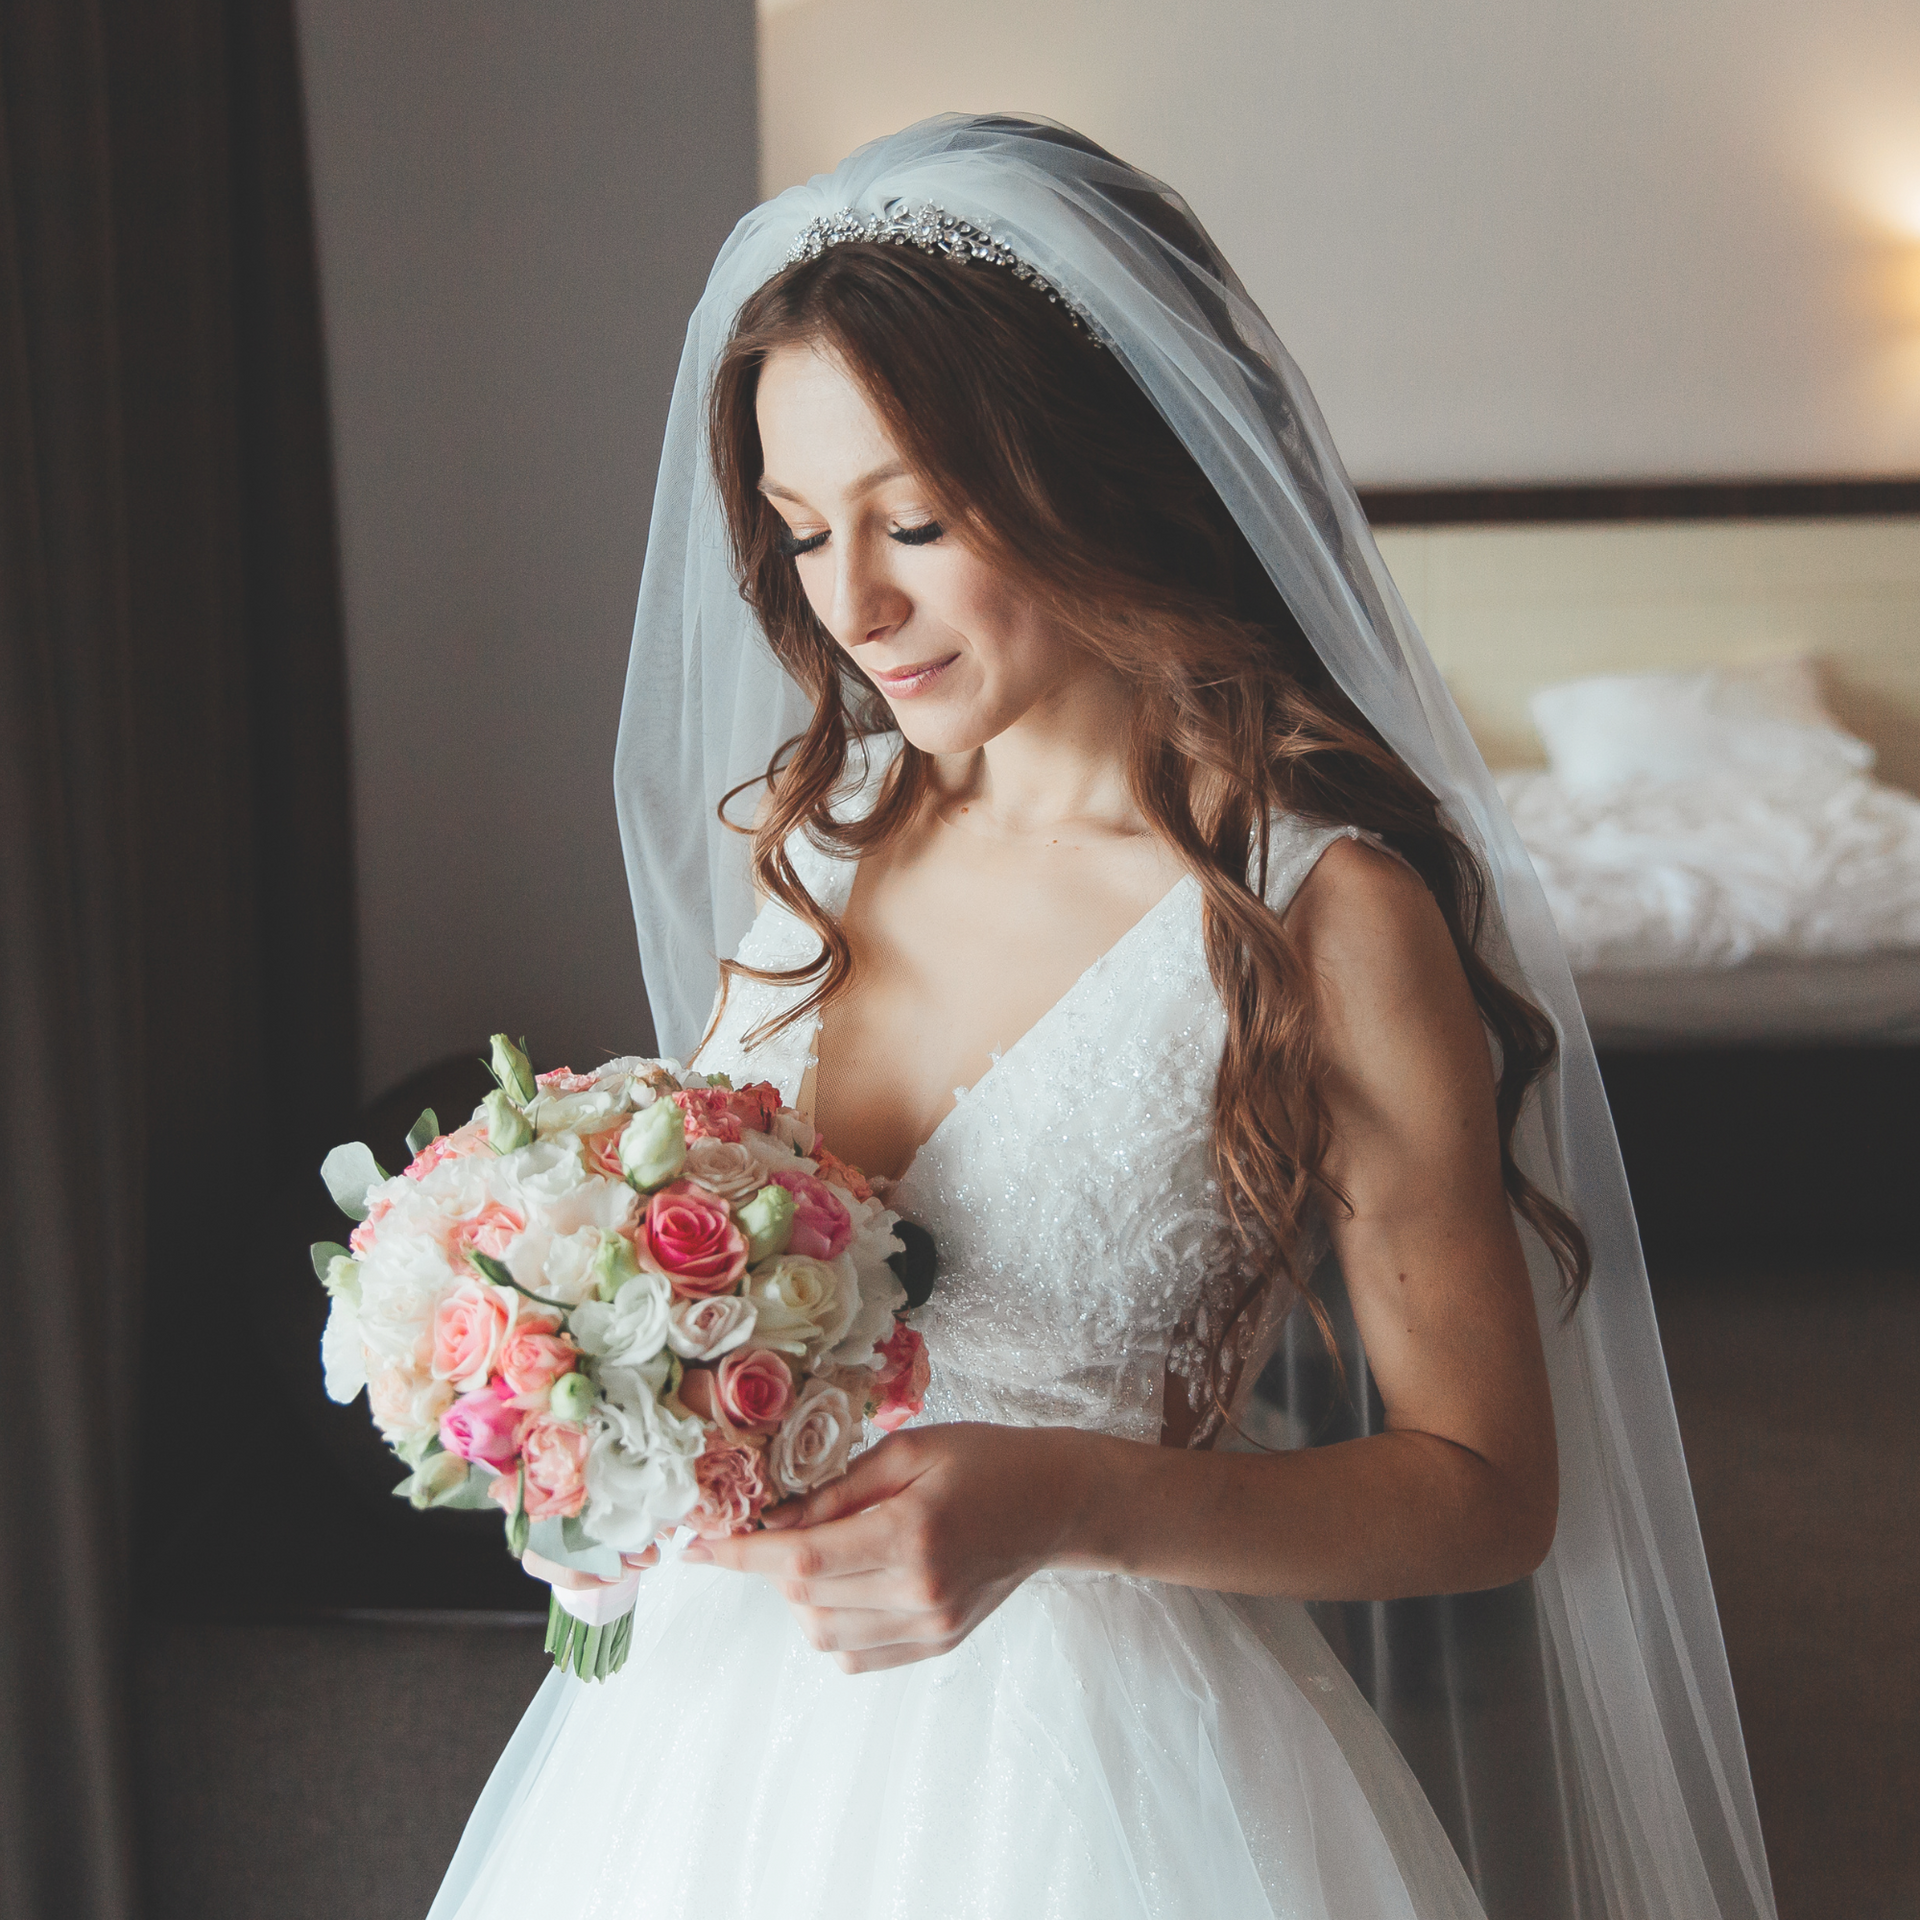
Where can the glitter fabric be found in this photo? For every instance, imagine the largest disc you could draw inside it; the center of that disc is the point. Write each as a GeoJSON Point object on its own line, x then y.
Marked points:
{"type": "Point", "coordinates": [1100, 1748]}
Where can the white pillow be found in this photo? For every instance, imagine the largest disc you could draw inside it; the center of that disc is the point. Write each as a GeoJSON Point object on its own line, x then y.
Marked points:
{"type": "Point", "coordinates": [1764, 725]}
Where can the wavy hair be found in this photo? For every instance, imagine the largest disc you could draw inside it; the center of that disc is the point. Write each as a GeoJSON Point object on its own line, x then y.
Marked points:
{"type": "Point", "coordinates": [1039, 449]}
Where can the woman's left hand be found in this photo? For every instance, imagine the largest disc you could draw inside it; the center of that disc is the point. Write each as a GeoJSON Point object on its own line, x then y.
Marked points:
{"type": "Point", "coordinates": [922, 1539]}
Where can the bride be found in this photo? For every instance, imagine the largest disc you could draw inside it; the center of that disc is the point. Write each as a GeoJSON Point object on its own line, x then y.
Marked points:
{"type": "Point", "coordinates": [1131, 899]}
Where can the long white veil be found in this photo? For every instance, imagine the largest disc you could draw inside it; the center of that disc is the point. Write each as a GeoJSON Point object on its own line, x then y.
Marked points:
{"type": "Point", "coordinates": [1637, 1710]}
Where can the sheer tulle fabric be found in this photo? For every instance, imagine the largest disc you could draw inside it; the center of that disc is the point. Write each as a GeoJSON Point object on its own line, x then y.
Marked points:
{"type": "Point", "coordinates": [1642, 1727]}
{"type": "Point", "coordinates": [1123, 1751]}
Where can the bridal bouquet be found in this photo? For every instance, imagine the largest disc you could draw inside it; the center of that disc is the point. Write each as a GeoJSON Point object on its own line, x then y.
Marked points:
{"type": "Point", "coordinates": [615, 1304]}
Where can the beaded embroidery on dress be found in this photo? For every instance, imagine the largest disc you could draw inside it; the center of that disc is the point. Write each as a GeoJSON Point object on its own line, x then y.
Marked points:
{"type": "Point", "coordinates": [1101, 1747]}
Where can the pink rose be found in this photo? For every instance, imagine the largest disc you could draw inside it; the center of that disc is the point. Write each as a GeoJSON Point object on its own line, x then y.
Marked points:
{"type": "Point", "coordinates": [564, 1080]}
{"type": "Point", "coordinates": [753, 1387]}
{"type": "Point", "coordinates": [688, 1234]}
{"type": "Point", "coordinates": [822, 1227]}
{"type": "Point", "coordinates": [709, 1112]}
{"type": "Point", "coordinates": [755, 1104]}
{"type": "Point", "coordinates": [457, 1145]}
{"type": "Point", "coordinates": [737, 1407]}
{"type": "Point", "coordinates": [481, 1426]}
{"type": "Point", "coordinates": [532, 1358]}
{"type": "Point", "coordinates": [468, 1328]}
{"type": "Point", "coordinates": [490, 1231]}
{"type": "Point", "coordinates": [554, 1453]}
{"type": "Point", "coordinates": [902, 1378]}
{"type": "Point", "coordinates": [733, 1488]}
{"type": "Point", "coordinates": [603, 1149]}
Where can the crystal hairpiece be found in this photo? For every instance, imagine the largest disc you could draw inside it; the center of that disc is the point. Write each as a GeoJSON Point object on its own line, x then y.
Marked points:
{"type": "Point", "coordinates": [933, 230]}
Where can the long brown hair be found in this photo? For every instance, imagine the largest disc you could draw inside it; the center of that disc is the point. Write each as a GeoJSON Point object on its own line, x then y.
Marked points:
{"type": "Point", "coordinates": [1038, 447]}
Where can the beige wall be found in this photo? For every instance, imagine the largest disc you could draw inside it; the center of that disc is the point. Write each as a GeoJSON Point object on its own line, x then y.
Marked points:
{"type": "Point", "coordinates": [1508, 610]}
{"type": "Point", "coordinates": [1506, 241]}
{"type": "Point", "coordinates": [517, 205]}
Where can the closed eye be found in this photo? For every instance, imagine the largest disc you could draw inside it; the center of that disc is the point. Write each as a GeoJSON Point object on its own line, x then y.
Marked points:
{"type": "Point", "coordinates": [921, 536]}
{"type": "Point", "coordinates": [793, 546]}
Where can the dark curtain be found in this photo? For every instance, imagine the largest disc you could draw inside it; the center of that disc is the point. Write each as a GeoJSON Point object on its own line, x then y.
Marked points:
{"type": "Point", "coordinates": [176, 964]}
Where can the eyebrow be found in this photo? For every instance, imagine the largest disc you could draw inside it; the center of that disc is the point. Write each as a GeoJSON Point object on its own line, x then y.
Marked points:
{"type": "Point", "coordinates": [893, 470]}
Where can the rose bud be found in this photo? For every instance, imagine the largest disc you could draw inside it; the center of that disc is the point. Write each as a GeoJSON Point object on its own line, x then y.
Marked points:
{"type": "Point", "coordinates": [512, 1070]}
{"type": "Point", "coordinates": [572, 1397]}
{"type": "Point", "coordinates": [507, 1126]}
{"type": "Point", "coordinates": [654, 1147]}
{"type": "Point", "coordinates": [767, 1221]}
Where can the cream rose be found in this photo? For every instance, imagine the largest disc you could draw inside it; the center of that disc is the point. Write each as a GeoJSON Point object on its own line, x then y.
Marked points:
{"type": "Point", "coordinates": [705, 1329]}
{"type": "Point", "coordinates": [729, 1169]}
{"type": "Point", "coordinates": [812, 1445]}
{"type": "Point", "coordinates": [801, 1304]}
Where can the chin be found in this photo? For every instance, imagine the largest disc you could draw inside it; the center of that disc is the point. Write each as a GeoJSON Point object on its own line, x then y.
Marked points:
{"type": "Point", "coordinates": [954, 731]}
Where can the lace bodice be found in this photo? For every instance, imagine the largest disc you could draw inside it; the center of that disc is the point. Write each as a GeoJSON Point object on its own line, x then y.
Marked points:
{"type": "Point", "coordinates": [1069, 1192]}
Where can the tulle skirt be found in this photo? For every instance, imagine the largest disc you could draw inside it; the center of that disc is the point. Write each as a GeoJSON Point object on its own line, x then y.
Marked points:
{"type": "Point", "coordinates": [1100, 1749]}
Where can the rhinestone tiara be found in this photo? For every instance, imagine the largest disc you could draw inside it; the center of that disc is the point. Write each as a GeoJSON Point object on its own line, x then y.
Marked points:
{"type": "Point", "coordinates": [933, 230]}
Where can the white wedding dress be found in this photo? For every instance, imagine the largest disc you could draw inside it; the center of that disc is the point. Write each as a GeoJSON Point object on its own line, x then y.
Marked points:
{"type": "Point", "coordinates": [1101, 1748]}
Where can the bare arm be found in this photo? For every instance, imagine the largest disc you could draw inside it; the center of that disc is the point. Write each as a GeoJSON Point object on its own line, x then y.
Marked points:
{"type": "Point", "coordinates": [934, 1528]}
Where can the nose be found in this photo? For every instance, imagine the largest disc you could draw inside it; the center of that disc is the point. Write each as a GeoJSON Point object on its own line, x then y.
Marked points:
{"type": "Point", "coordinates": [868, 602]}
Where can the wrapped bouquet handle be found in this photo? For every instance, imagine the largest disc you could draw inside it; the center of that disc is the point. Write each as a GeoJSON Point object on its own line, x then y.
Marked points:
{"type": "Point", "coordinates": [614, 1304]}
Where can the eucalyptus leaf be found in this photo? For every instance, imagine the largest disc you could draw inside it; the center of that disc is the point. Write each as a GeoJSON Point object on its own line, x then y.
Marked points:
{"type": "Point", "coordinates": [568, 1545]}
{"type": "Point", "coordinates": [324, 1253]}
{"type": "Point", "coordinates": [349, 1172]}
{"type": "Point", "coordinates": [424, 1132]}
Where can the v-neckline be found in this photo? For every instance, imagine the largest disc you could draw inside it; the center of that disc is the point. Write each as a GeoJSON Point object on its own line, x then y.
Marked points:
{"type": "Point", "coordinates": [965, 1096]}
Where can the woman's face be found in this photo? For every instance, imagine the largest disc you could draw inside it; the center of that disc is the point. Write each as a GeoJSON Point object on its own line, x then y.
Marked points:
{"type": "Point", "coordinates": [959, 652]}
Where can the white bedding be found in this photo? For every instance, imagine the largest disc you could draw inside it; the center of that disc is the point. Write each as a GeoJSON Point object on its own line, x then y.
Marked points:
{"type": "Point", "coordinates": [1713, 874]}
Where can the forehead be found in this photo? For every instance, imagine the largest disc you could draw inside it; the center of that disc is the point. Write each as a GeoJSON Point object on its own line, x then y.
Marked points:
{"type": "Point", "coordinates": [816, 420]}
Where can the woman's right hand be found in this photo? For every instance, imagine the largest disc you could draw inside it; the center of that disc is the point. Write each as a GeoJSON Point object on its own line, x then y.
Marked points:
{"type": "Point", "coordinates": [574, 1581]}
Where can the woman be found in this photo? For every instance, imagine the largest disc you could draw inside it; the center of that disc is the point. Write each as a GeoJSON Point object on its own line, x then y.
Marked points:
{"type": "Point", "coordinates": [1125, 891]}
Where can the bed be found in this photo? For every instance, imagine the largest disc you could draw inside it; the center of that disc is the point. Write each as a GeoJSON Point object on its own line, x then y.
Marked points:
{"type": "Point", "coordinates": [1710, 735]}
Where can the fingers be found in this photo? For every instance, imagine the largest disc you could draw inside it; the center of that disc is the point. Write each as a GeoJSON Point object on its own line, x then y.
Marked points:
{"type": "Point", "coordinates": [646, 1557]}
{"type": "Point", "coordinates": [877, 1475]}
{"type": "Point", "coordinates": [871, 1630]}
{"type": "Point", "coordinates": [865, 1543]}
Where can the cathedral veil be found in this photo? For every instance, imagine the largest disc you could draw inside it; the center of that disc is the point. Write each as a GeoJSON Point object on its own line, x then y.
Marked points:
{"type": "Point", "coordinates": [1635, 1714]}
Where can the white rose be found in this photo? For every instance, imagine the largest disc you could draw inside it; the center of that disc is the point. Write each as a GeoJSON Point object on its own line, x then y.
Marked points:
{"type": "Point", "coordinates": [639, 1475]}
{"type": "Point", "coordinates": [773, 1153]}
{"type": "Point", "coordinates": [733, 1172]}
{"type": "Point", "coordinates": [342, 1357]}
{"type": "Point", "coordinates": [801, 1303]}
{"type": "Point", "coordinates": [812, 1445]}
{"type": "Point", "coordinates": [596, 1208]}
{"type": "Point", "coordinates": [629, 1329]}
{"type": "Point", "coordinates": [407, 1403]}
{"type": "Point", "coordinates": [566, 1267]}
{"type": "Point", "coordinates": [402, 1281]}
{"type": "Point", "coordinates": [793, 1132]}
{"type": "Point", "coordinates": [880, 1296]}
{"type": "Point", "coordinates": [705, 1329]}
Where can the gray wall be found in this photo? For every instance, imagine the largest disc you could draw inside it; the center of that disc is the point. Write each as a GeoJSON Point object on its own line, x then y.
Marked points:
{"type": "Point", "coordinates": [517, 205]}
{"type": "Point", "coordinates": [1505, 240]}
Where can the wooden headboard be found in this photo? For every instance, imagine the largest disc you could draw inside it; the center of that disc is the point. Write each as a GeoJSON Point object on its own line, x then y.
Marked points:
{"type": "Point", "coordinates": [1517, 588]}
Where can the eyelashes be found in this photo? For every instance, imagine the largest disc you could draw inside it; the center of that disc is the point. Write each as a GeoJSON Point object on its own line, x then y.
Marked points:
{"type": "Point", "coordinates": [793, 546]}
{"type": "Point", "coordinates": [923, 535]}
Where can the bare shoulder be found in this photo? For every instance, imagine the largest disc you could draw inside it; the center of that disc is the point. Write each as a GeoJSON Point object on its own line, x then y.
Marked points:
{"type": "Point", "coordinates": [1392, 997]}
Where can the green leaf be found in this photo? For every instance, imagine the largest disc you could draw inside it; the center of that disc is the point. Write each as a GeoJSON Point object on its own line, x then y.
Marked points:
{"type": "Point", "coordinates": [425, 1131]}
{"type": "Point", "coordinates": [349, 1171]}
{"type": "Point", "coordinates": [518, 1524]}
{"type": "Point", "coordinates": [324, 1254]}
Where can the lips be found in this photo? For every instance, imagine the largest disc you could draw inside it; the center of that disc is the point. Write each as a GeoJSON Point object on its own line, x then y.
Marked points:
{"type": "Point", "coordinates": [902, 682]}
